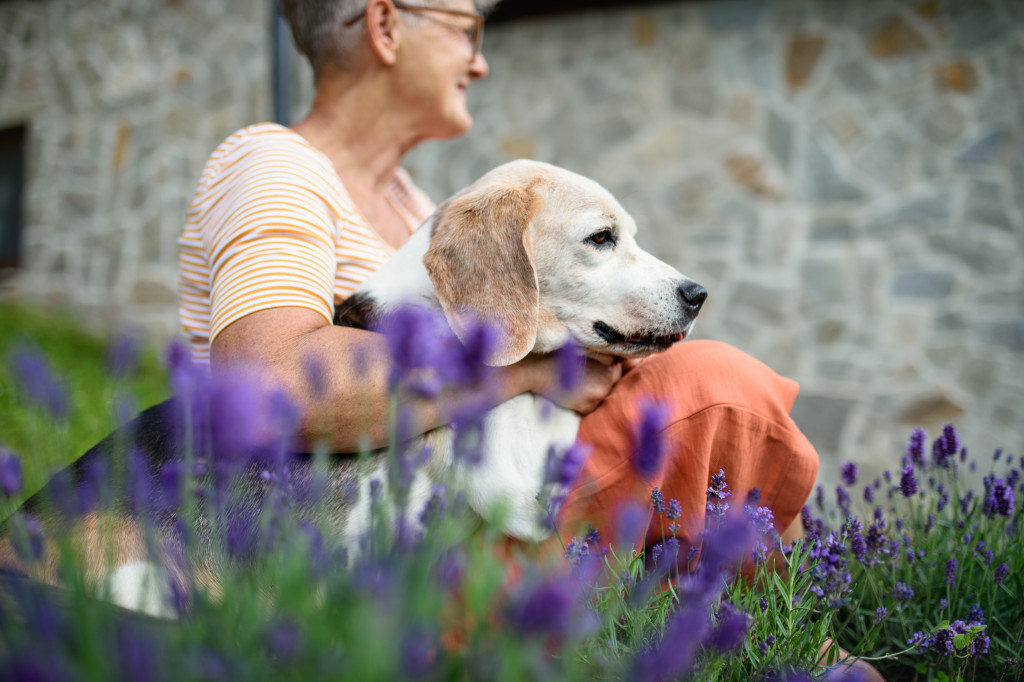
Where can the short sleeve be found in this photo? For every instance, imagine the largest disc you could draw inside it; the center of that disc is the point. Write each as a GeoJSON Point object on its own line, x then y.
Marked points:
{"type": "Point", "coordinates": [269, 235]}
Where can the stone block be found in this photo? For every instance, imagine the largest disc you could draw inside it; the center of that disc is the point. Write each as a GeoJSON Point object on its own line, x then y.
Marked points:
{"type": "Point", "coordinates": [913, 212]}
{"type": "Point", "coordinates": [893, 37]}
{"type": "Point", "coordinates": [1006, 333]}
{"type": "Point", "coordinates": [696, 95]}
{"type": "Point", "coordinates": [822, 282]}
{"type": "Point", "coordinates": [988, 148]}
{"type": "Point", "coordinates": [156, 288]}
{"type": "Point", "coordinates": [857, 77]}
{"type": "Point", "coordinates": [957, 75]}
{"type": "Point", "coordinates": [979, 374]}
{"type": "Point", "coordinates": [988, 204]}
{"type": "Point", "coordinates": [779, 136]}
{"type": "Point", "coordinates": [767, 300]}
{"type": "Point", "coordinates": [977, 26]}
{"type": "Point", "coordinates": [930, 410]}
{"type": "Point", "coordinates": [926, 284]}
{"type": "Point", "coordinates": [823, 182]}
{"type": "Point", "coordinates": [942, 123]}
{"type": "Point", "coordinates": [748, 171]}
{"type": "Point", "coordinates": [802, 54]}
{"type": "Point", "coordinates": [983, 256]}
{"type": "Point", "coordinates": [822, 418]}
{"type": "Point", "coordinates": [733, 15]}
{"type": "Point", "coordinates": [831, 229]}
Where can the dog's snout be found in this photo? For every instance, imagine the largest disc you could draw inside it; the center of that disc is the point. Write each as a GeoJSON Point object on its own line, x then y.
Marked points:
{"type": "Point", "coordinates": [693, 295]}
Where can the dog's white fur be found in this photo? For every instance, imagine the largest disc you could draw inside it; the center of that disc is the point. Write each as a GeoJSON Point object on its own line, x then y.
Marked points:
{"type": "Point", "coordinates": [544, 254]}
{"type": "Point", "coordinates": [519, 248]}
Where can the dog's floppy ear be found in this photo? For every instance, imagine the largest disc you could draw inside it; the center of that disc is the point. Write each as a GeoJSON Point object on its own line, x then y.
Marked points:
{"type": "Point", "coordinates": [480, 261]}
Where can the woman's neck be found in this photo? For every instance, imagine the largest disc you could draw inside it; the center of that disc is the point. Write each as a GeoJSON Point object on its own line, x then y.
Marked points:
{"type": "Point", "coordinates": [353, 124]}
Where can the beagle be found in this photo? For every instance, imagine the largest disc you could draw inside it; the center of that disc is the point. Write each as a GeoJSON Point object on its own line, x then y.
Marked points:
{"type": "Point", "coordinates": [545, 256]}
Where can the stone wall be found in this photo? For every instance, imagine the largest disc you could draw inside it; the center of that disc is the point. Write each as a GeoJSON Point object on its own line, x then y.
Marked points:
{"type": "Point", "coordinates": [845, 177]}
{"type": "Point", "coordinates": [124, 100]}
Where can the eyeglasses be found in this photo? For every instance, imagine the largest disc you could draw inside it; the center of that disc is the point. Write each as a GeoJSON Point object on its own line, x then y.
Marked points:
{"type": "Point", "coordinates": [474, 33]}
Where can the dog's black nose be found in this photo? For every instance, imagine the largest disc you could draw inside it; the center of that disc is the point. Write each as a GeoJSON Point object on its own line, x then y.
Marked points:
{"type": "Point", "coordinates": [693, 295]}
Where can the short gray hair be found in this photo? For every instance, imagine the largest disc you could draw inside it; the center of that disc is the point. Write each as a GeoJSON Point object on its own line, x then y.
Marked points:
{"type": "Point", "coordinates": [319, 35]}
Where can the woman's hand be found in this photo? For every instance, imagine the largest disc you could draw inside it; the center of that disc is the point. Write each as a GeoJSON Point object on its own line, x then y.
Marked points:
{"type": "Point", "coordinates": [594, 381]}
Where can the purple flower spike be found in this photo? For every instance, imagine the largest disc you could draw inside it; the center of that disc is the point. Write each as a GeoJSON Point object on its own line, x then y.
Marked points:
{"type": "Point", "coordinates": [123, 355]}
{"type": "Point", "coordinates": [902, 592]}
{"type": "Point", "coordinates": [630, 524]}
{"type": "Point", "coordinates": [10, 473]}
{"type": "Point", "coordinates": [946, 447]}
{"type": "Point", "coordinates": [37, 382]}
{"type": "Point", "coordinates": [570, 365]}
{"type": "Point", "coordinates": [915, 449]}
{"type": "Point", "coordinates": [733, 626]}
{"type": "Point", "coordinates": [565, 469]}
{"type": "Point", "coordinates": [951, 571]}
{"type": "Point", "coordinates": [880, 613]}
{"type": "Point", "coordinates": [908, 484]}
{"type": "Point", "coordinates": [848, 472]}
{"type": "Point", "coordinates": [999, 575]}
{"type": "Point", "coordinates": [657, 501]}
{"type": "Point", "coordinates": [649, 443]}
{"type": "Point", "coordinates": [542, 609]}
{"type": "Point", "coordinates": [674, 510]}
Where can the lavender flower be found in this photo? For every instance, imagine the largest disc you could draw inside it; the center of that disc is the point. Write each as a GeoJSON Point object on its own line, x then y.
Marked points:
{"type": "Point", "coordinates": [648, 441]}
{"type": "Point", "coordinates": [908, 483]}
{"type": "Point", "coordinates": [434, 509]}
{"type": "Point", "coordinates": [10, 473]}
{"type": "Point", "coordinates": [542, 608]}
{"type": "Point", "coordinates": [765, 644]}
{"type": "Point", "coordinates": [975, 614]}
{"type": "Point", "coordinates": [848, 472]}
{"type": "Point", "coordinates": [733, 626]}
{"type": "Point", "coordinates": [674, 510]}
{"type": "Point", "coordinates": [946, 447]}
{"type": "Point", "coordinates": [869, 494]}
{"type": "Point", "coordinates": [999, 575]}
{"type": "Point", "coordinates": [570, 361]}
{"type": "Point", "coordinates": [657, 501]}
{"type": "Point", "coordinates": [565, 469]}
{"type": "Point", "coordinates": [716, 494]}
{"type": "Point", "coordinates": [754, 496]}
{"type": "Point", "coordinates": [943, 604]}
{"type": "Point", "coordinates": [123, 354]}
{"type": "Point", "coordinates": [880, 613]}
{"type": "Point", "coordinates": [951, 571]}
{"type": "Point", "coordinates": [843, 500]}
{"type": "Point", "coordinates": [945, 641]}
{"type": "Point", "coordinates": [37, 382]}
{"type": "Point", "coordinates": [902, 592]}
{"type": "Point", "coordinates": [998, 497]}
{"type": "Point", "coordinates": [630, 524]}
{"type": "Point", "coordinates": [418, 652]}
{"type": "Point", "coordinates": [915, 449]}
{"type": "Point", "coordinates": [763, 603]}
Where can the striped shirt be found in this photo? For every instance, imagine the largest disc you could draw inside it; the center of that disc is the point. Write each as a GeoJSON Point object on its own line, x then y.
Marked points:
{"type": "Point", "coordinates": [271, 225]}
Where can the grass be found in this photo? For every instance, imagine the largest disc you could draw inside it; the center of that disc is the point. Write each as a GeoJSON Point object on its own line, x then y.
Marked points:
{"type": "Point", "coordinates": [81, 361]}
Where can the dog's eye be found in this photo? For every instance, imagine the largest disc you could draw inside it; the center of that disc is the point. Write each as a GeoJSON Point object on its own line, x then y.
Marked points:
{"type": "Point", "coordinates": [602, 238]}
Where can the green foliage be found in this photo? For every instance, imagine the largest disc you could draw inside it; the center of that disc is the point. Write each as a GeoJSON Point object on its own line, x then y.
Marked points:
{"type": "Point", "coordinates": [80, 361]}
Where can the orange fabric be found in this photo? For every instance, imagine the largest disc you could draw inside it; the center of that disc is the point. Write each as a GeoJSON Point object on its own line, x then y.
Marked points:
{"type": "Point", "coordinates": [728, 411]}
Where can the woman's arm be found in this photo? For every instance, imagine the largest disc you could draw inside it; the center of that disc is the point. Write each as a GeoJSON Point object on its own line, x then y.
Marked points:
{"type": "Point", "coordinates": [349, 409]}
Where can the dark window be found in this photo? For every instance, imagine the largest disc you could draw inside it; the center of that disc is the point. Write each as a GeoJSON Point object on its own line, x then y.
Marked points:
{"type": "Point", "coordinates": [12, 185]}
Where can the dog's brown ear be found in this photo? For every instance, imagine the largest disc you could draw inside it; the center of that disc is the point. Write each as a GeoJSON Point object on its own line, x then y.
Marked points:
{"type": "Point", "coordinates": [481, 264]}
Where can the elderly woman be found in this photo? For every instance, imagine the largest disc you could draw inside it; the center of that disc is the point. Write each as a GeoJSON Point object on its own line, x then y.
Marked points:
{"type": "Point", "coordinates": [286, 222]}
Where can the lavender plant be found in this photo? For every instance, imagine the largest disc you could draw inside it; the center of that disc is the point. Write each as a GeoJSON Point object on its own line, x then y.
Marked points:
{"type": "Point", "coordinates": [929, 583]}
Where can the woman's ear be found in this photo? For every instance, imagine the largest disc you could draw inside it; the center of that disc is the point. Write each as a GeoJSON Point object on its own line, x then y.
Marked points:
{"type": "Point", "coordinates": [383, 30]}
{"type": "Point", "coordinates": [480, 261]}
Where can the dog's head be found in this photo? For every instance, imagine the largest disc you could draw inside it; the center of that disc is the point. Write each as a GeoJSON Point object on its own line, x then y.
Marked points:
{"type": "Point", "coordinates": [548, 255]}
